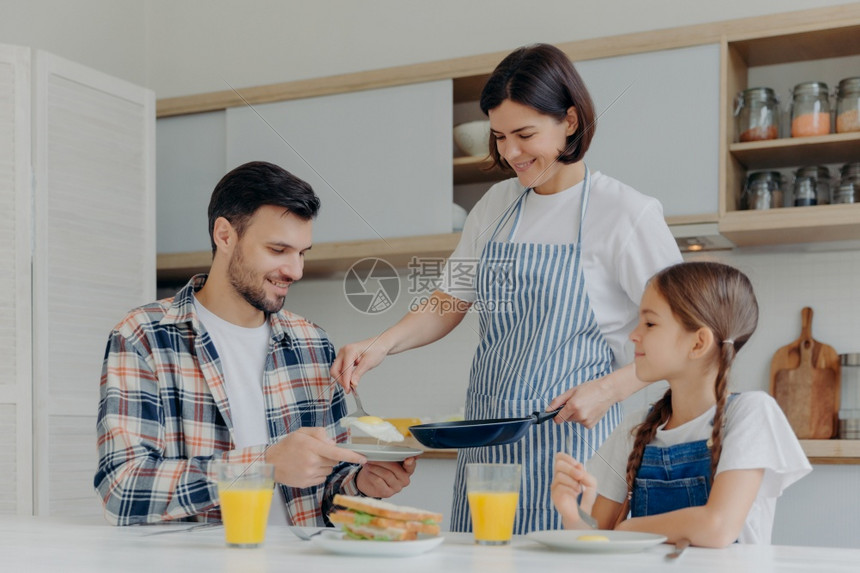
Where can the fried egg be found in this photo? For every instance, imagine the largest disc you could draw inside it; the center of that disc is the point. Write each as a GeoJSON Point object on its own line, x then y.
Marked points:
{"type": "Point", "coordinates": [374, 427]}
{"type": "Point", "coordinates": [592, 537]}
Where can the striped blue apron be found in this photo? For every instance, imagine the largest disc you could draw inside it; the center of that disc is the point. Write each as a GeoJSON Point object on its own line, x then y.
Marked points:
{"type": "Point", "coordinates": [539, 338]}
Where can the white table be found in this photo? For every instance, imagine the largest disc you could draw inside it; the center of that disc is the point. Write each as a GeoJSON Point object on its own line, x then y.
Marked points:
{"type": "Point", "coordinates": [53, 544]}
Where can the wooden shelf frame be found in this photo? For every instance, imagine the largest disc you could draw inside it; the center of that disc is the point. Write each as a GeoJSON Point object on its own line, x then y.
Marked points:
{"type": "Point", "coordinates": [325, 259]}
{"type": "Point", "coordinates": [832, 452]}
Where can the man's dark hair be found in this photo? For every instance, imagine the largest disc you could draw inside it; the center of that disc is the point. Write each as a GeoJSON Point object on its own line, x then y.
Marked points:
{"type": "Point", "coordinates": [256, 184]}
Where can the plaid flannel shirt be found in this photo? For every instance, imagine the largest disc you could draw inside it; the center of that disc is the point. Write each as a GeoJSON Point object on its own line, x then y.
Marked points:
{"type": "Point", "coordinates": [163, 414]}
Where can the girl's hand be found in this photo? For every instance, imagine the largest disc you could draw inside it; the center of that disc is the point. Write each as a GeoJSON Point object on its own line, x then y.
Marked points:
{"type": "Point", "coordinates": [569, 481]}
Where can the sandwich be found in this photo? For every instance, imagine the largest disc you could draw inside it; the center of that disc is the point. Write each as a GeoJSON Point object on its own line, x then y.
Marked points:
{"type": "Point", "coordinates": [372, 519]}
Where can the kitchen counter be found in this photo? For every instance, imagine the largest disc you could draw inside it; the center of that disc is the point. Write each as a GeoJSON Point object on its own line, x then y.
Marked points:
{"type": "Point", "coordinates": [66, 544]}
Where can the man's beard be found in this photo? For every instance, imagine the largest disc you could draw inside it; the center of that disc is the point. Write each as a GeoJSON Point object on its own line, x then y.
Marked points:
{"type": "Point", "coordinates": [244, 280]}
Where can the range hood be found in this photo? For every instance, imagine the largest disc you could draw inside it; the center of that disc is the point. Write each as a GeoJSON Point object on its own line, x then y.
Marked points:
{"type": "Point", "coordinates": [694, 237]}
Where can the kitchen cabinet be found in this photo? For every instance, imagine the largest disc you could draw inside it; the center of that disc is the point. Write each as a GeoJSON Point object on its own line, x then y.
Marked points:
{"type": "Point", "coordinates": [650, 106]}
{"type": "Point", "coordinates": [77, 185]}
{"type": "Point", "coordinates": [382, 169]}
{"type": "Point", "coordinates": [745, 48]}
{"type": "Point", "coordinates": [820, 46]}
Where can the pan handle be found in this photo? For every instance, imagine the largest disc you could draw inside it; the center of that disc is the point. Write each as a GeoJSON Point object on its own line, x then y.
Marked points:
{"type": "Point", "coordinates": [541, 417]}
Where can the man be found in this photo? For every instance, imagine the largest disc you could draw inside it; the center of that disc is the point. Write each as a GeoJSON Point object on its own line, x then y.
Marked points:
{"type": "Point", "coordinates": [222, 372]}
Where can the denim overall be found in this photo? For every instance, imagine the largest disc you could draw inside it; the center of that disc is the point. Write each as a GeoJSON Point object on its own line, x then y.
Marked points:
{"type": "Point", "coordinates": [539, 337]}
{"type": "Point", "coordinates": [673, 477]}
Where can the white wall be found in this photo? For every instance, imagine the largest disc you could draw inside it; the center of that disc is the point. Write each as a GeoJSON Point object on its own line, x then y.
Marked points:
{"type": "Point", "coordinates": [107, 35]}
{"type": "Point", "coordinates": [430, 382]}
{"type": "Point", "coordinates": [182, 47]}
{"type": "Point", "coordinates": [204, 45]}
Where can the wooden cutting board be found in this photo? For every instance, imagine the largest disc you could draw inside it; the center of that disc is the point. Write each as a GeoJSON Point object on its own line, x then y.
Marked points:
{"type": "Point", "coordinates": [804, 380]}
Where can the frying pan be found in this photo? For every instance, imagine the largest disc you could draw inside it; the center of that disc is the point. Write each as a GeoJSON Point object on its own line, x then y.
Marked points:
{"type": "Point", "coordinates": [477, 433]}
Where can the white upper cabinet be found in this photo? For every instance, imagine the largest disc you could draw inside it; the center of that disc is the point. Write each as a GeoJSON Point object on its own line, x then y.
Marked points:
{"type": "Point", "coordinates": [380, 159]}
{"type": "Point", "coordinates": [191, 154]}
{"type": "Point", "coordinates": [658, 124]}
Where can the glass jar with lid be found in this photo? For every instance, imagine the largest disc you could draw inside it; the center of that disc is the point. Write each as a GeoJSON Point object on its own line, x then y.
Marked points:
{"type": "Point", "coordinates": [756, 114]}
{"type": "Point", "coordinates": [849, 403]}
{"type": "Point", "coordinates": [848, 105]}
{"type": "Point", "coordinates": [810, 109]}
{"type": "Point", "coordinates": [823, 184]}
{"type": "Point", "coordinates": [763, 190]}
{"type": "Point", "coordinates": [848, 190]}
{"type": "Point", "coordinates": [804, 192]}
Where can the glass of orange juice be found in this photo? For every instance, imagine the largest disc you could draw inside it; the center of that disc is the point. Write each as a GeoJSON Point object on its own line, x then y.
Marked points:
{"type": "Point", "coordinates": [493, 491]}
{"type": "Point", "coordinates": [245, 493]}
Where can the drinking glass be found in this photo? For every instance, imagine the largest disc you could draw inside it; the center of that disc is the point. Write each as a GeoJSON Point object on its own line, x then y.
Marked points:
{"type": "Point", "coordinates": [493, 492]}
{"type": "Point", "coordinates": [245, 493]}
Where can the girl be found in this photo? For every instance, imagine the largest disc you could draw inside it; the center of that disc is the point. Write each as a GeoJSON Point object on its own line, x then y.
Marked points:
{"type": "Point", "coordinates": [561, 255]}
{"type": "Point", "coordinates": [703, 465]}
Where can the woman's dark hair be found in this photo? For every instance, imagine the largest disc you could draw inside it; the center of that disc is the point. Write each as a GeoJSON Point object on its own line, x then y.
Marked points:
{"type": "Point", "coordinates": [701, 294]}
{"type": "Point", "coordinates": [253, 185]}
{"type": "Point", "coordinates": [543, 78]}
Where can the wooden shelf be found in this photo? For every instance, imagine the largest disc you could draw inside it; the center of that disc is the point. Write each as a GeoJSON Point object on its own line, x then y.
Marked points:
{"type": "Point", "coordinates": [792, 225]}
{"type": "Point", "coordinates": [832, 451]}
{"type": "Point", "coordinates": [817, 40]}
{"type": "Point", "coordinates": [793, 152]}
{"type": "Point", "coordinates": [325, 259]}
{"type": "Point", "coordinates": [827, 452]}
{"type": "Point", "coordinates": [476, 169]}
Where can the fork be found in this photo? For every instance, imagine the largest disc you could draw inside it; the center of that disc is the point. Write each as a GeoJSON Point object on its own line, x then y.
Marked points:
{"type": "Point", "coordinates": [300, 533]}
{"type": "Point", "coordinates": [590, 521]}
{"type": "Point", "coordinates": [680, 546]}
{"type": "Point", "coordinates": [359, 409]}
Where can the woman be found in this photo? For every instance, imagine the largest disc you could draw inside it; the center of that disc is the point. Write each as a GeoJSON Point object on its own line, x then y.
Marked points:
{"type": "Point", "coordinates": [563, 257]}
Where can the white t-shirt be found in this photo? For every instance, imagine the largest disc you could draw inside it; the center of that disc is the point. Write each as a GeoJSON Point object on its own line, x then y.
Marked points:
{"type": "Point", "coordinates": [625, 240]}
{"type": "Point", "coordinates": [243, 353]}
{"type": "Point", "coordinates": [756, 435]}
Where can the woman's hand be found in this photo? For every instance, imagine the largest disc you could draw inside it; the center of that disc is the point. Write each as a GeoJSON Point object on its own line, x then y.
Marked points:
{"type": "Point", "coordinates": [588, 402]}
{"type": "Point", "coordinates": [353, 360]}
{"type": "Point", "coordinates": [585, 404]}
{"type": "Point", "coordinates": [569, 481]}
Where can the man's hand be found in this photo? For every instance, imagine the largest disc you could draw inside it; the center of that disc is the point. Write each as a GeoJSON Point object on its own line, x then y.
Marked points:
{"type": "Point", "coordinates": [384, 479]}
{"type": "Point", "coordinates": [305, 458]}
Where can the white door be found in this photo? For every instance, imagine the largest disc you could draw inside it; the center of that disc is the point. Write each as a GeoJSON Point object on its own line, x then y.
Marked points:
{"type": "Point", "coordinates": [16, 476]}
{"type": "Point", "coordinates": [94, 259]}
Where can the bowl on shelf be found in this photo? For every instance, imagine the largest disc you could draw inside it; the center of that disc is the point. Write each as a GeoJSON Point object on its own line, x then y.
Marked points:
{"type": "Point", "coordinates": [473, 137]}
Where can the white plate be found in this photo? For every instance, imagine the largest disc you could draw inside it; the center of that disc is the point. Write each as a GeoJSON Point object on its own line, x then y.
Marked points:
{"type": "Point", "coordinates": [619, 541]}
{"type": "Point", "coordinates": [333, 541]}
{"type": "Point", "coordinates": [381, 453]}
